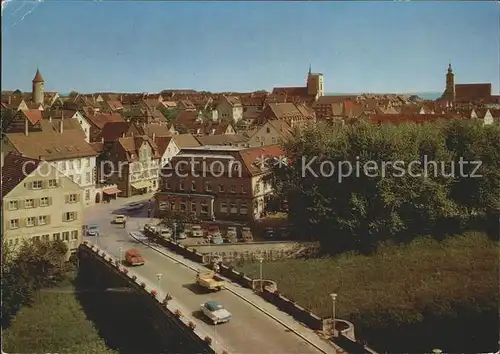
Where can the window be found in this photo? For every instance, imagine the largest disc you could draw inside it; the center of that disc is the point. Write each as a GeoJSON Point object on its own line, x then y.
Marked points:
{"type": "Point", "coordinates": [77, 179]}
{"type": "Point", "coordinates": [74, 235]}
{"type": "Point", "coordinates": [71, 177]}
{"type": "Point", "coordinates": [204, 208]}
{"type": "Point", "coordinates": [183, 207]}
{"type": "Point", "coordinates": [273, 140]}
{"type": "Point", "coordinates": [234, 208]}
{"type": "Point", "coordinates": [193, 186]}
{"type": "Point", "coordinates": [268, 130]}
{"type": "Point", "coordinates": [29, 203]}
{"type": "Point", "coordinates": [45, 237]}
{"type": "Point", "coordinates": [181, 185]}
{"type": "Point", "coordinates": [88, 177]}
{"type": "Point", "coordinates": [44, 201]}
{"type": "Point", "coordinates": [14, 224]}
{"type": "Point", "coordinates": [36, 184]}
{"type": "Point", "coordinates": [243, 189]}
{"type": "Point", "coordinates": [243, 208]}
{"type": "Point", "coordinates": [72, 198]}
{"type": "Point", "coordinates": [172, 206]}
{"type": "Point", "coordinates": [56, 236]}
{"type": "Point", "coordinates": [221, 188]}
{"type": "Point", "coordinates": [69, 216]}
{"type": "Point", "coordinates": [66, 236]}
{"type": "Point", "coordinates": [223, 207]}
{"type": "Point", "coordinates": [167, 185]}
{"type": "Point", "coordinates": [43, 220]}
{"type": "Point", "coordinates": [30, 221]}
{"type": "Point", "coordinates": [233, 188]}
{"type": "Point", "coordinates": [193, 207]}
{"type": "Point", "coordinates": [87, 194]}
{"type": "Point", "coordinates": [208, 187]}
{"type": "Point", "coordinates": [13, 205]}
{"type": "Point", "coordinates": [257, 187]}
{"type": "Point", "coordinates": [36, 238]}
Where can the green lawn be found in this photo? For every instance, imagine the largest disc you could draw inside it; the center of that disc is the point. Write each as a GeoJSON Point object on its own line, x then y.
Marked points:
{"type": "Point", "coordinates": [55, 323]}
{"type": "Point", "coordinates": [396, 279]}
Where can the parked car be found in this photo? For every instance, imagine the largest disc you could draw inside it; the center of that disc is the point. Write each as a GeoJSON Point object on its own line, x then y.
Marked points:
{"type": "Point", "coordinates": [217, 239]}
{"type": "Point", "coordinates": [284, 233]}
{"type": "Point", "coordinates": [166, 232]}
{"type": "Point", "coordinates": [231, 235]}
{"type": "Point", "coordinates": [196, 231]}
{"type": "Point", "coordinates": [246, 234]}
{"type": "Point", "coordinates": [120, 219]}
{"type": "Point", "coordinates": [213, 230]}
{"type": "Point", "coordinates": [93, 230]}
{"type": "Point", "coordinates": [269, 233]}
{"type": "Point", "coordinates": [215, 312]}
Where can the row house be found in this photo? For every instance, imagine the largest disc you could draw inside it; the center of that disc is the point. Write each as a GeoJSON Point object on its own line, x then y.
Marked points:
{"type": "Point", "coordinates": [217, 182]}
{"type": "Point", "coordinates": [230, 109]}
{"type": "Point", "coordinates": [98, 121]}
{"type": "Point", "coordinates": [198, 124]}
{"type": "Point", "coordinates": [239, 140]}
{"type": "Point", "coordinates": [132, 164]}
{"type": "Point", "coordinates": [40, 203]}
{"type": "Point", "coordinates": [296, 115]}
{"type": "Point", "coordinates": [273, 132]}
{"type": "Point", "coordinates": [65, 150]}
{"type": "Point", "coordinates": [167, 148]}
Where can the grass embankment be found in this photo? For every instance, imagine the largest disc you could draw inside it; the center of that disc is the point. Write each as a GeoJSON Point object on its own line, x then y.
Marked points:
{"type": "Point", "coordinates": [397, 286]}
{"type": "Point", "coordinates": [56, 323]}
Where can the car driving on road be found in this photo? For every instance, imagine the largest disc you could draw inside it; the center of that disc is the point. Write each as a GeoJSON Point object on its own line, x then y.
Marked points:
{"type": "Point", "coordinates": [120, 219]}
{"type": "Point", "coordinates": [93, 230]}
{"type": "Point", "coordinates": [215, 312]}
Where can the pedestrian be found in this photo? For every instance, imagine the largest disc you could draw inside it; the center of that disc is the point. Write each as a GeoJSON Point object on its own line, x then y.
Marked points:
{"type": "Point", "coordinates": [124, 223]}
{"type": "Point", "coordinates": [149, 212]}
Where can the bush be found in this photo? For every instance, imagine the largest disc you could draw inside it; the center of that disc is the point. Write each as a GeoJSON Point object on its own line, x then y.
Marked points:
{"type": "Point", "coordinates": [154, 292]}
{"type": "Point", "coordinates": [192, 325]}
{"type": "Point", "coordinates": [208, 340]}
{"type": "Point", "coordinates": [143, 284]}
{"type": "Point", "coordinates": [178, 313]}
{"type": "Point", "coordinates": [134, 277]}
{"type": "Point", "coordinates": [125, 270]}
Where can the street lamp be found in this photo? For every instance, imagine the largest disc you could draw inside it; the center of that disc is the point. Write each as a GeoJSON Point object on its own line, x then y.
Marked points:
{"type": "Point", "coordinates": [175, 234]}
{"type": "Point", "coordinates": [121, 254]}
{"type": "Point", "coordinates": [261, 285]}
{"type": "Point", "coordinates": [334, 298]}
{"type": "Point", "coordinates": [209, 249]}
{"type": "Point", "coordinates": [158, 276]}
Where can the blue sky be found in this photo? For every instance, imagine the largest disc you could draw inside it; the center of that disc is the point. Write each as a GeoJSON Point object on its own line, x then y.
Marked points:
{"type": "Point", "coordinates": [242, 46]}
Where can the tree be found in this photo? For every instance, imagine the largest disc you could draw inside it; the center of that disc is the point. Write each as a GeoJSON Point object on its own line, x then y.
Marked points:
{"type": "Point", "coordinates": [345, 204]}
{"type": "Point", "coordinates": [34, 265]}
{"type": "Point", "coordinates": [170, 114]}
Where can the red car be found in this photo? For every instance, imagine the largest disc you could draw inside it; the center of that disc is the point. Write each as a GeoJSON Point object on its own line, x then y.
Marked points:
{"type": "Point", "coordinates": [213, 230]}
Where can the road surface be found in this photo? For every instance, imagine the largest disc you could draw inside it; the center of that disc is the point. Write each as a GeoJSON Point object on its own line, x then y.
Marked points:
{"type": "Point", "coordinates": [249, 331]}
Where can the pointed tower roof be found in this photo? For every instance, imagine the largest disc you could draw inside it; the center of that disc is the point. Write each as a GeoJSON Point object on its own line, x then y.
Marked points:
{"type": "Point", "coordinates": [450, 70]}
{"type": "Point", "coordinates": [38, 77]}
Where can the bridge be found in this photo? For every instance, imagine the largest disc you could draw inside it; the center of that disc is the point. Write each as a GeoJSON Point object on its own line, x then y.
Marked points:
{"type": "Point", "coordinates": [256, 326]}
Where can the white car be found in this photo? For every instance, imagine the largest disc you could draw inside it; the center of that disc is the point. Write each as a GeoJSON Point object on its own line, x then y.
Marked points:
{"type": "Point", "coordinates": [196, 231]}
{"type": "Point", "coordinates": [216, 312]}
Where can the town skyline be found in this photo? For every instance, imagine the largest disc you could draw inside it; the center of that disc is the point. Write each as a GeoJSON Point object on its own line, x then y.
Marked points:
{"type": "Point", "coordinates": [345, 42]}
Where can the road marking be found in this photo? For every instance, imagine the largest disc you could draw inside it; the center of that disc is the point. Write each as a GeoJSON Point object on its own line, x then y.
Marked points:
{"type": "Point", "coordinates": [241, 297]}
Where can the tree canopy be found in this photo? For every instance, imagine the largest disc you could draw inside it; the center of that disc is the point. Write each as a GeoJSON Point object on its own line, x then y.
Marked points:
{"type": "Point", "coordinates": [352, 186]}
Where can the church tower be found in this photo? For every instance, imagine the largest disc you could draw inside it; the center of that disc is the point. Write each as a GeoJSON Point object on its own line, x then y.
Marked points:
{"type": "Point", "coordinates": [449, 93]}
{"type": "Point", "coordinates": [38, 88]}
{"type": "Point", "coordinates": [315, 84]}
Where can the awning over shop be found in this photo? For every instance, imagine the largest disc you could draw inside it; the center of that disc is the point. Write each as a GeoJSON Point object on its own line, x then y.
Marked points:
{"type": "Point", "coordinates": [140, 185]}
{"type": "Point", "coordinates": [111, 191]}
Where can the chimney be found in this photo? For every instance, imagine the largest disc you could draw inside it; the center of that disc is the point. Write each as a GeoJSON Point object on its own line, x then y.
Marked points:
{"type": "Point", "coordinates": [26, 126]}
{"type": "Point", "coordinates": [102, 140]}
{"type": "Point", "coordinates": [154, 135]}
{"type": "Point", "coordinates": [10, 100]}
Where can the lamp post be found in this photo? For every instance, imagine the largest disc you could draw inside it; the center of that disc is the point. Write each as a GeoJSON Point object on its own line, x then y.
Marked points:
{"type": "Point", "coordinates": [261, 285]}
{"type": "Point", "coordinates": [175, 234]}
{"type": "Point", "coordinates": [334, 298]}
{"type": "Point", "coordinates": [158, 276]}
{"type": "Point", "coordinates": [209, 249]}
{"type": "Point", "coordinates": [121, 254]}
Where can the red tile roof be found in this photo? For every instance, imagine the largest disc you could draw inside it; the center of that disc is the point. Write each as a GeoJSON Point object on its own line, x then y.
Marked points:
{"type": "Point", "coordinates": [162, 143]}
{"type": "Point", "coordinates": [38, 77]}
{"type": "Point", "coordinates": [15, 169]}
{"type": "Point", "coordinates": [472, 92]}
{"type": "Point", "coordinates": [33, 115]}
{"type": "Point", "coordinates": [291, 91]}
{"type": "Point", "coordinates": [252, 156]}
{"type": "Point", "coordinates": [100, 120]}
{"type": "Point", "coordinates": [114, 130]}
